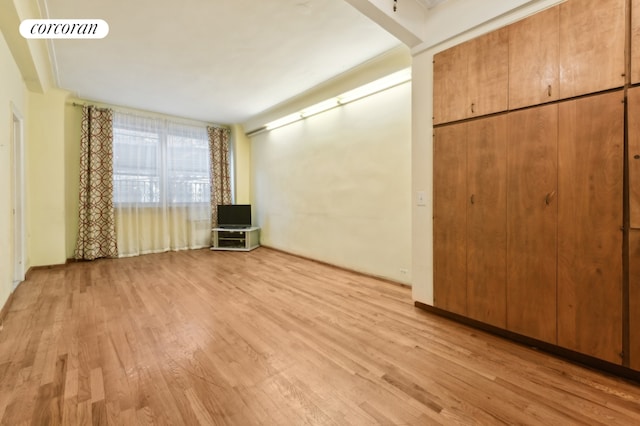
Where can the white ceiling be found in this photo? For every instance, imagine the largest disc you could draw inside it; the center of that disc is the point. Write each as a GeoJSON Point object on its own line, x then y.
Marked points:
{"type": "Point", "coordinates": [212, 60]}
{"type": "Point", "coordinates": [430, 3]}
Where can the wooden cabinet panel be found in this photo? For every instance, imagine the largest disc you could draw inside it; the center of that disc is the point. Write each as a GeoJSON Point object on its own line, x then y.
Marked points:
{"type": "Point", "coordinates": [533, 59]}
{"type": "Point", "coordinates": [635, 41]}
{"type": "Point", "coordinates": [450, 84]}
{"type": "Point", "coordinates": [488, 73]}
{"type": "Point", "coordinates": [633, 100]}
{"type": "Point", "coordinates": [472, 79]}
{"type": "Point", "coordinates": [634, 299]}
{"type": "Point", "coordinates": [590, 184]}
{"type": "Point", "coordinates": [532, 227]}
{"type": "Point", "coordinates": [592, 46]}
{"type": "Point", "coordinates": [449, 217]}
{"type": "Point", "coordinates": [486, 219]}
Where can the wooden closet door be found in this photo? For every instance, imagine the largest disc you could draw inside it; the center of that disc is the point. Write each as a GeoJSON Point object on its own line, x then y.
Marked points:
{"type": "Point", "coordinates": [532, 222]}
{"type": "Point", "coordinates": [592, 46]}
{"type": "Point", "coordinates": [486, 219]}
{"type": "Point", "coordinates": [449, 218]}
{"type": "Point", "coordinates": [633, 101]}
{"type": "Point", "coordinates": [590, 202]}
{"type": "Point", "coordinates": [450, 84]}
{"type": "Point", "coordinates": [488, 73]}
{"type": "Point", "coordinates": [533, 59]}
{"type": "Point", "coordinates": [634, 299]}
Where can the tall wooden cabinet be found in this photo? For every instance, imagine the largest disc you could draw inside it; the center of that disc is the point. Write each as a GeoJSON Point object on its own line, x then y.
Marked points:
{"type": "Point", "coordinates": [590, 220]}
{"type": "Point", "coordinates": [530, 228]}
{"type": "Point", "coordinates": [532, 222]}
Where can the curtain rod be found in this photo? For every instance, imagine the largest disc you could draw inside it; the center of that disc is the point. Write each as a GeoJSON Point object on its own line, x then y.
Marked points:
{"type": "Point", "coordinates": [128, 111]}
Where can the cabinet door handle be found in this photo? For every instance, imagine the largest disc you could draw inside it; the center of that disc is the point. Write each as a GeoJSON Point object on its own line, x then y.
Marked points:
{"type": "Point", "coordinates": [549, 197]}
{"type": "Point", "coordinates": [473, 108]}
{"type": "Point", "coordinates": [549, 90]}
{"type": "Point", "coordinates": [473, 199]}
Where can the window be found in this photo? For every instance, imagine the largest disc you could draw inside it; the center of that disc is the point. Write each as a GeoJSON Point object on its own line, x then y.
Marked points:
{"type": "Point", "coordinates": [159, 162]}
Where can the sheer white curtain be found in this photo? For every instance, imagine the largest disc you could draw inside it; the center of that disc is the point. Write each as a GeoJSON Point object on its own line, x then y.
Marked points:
{"type": "Point", "coordinates": [161, 185]}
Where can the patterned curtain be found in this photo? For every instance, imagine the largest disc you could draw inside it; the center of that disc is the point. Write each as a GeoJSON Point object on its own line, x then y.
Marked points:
{"type": "Point", "coordinates": [97, 232]}
{"type": "Point", "coordinates": [220, 169]}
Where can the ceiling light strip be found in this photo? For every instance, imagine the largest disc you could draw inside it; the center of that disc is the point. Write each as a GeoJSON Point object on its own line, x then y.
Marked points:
{"type": "Point", "coordinates": [365, 90]}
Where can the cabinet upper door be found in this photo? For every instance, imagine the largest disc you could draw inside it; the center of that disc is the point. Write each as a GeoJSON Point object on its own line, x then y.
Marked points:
{"type": "Point", "coordinates": [532, 222]}
{"type": "Point", "coordinates": [450, 84]}
{"type": "Point", "coordinates": [449, 217]}
{"type": "Point", "coordinates": [635, 41]}
{"type": "Point", "coordinates": [592, 46]}
{"type": "Point", "coordinates": [486, 219]}
{"type": "Point", "coordinates": [633, 99]}
{"type": "Point", "coordinates": [488, 73]}
{"type": "Point", "coordinates": [590, 206]}
{"type": "Point", "coordinates": [533, 59]}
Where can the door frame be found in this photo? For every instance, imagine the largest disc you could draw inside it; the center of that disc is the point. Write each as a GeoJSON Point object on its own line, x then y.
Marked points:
{"type": "Point", "coordinates": [18, 191]}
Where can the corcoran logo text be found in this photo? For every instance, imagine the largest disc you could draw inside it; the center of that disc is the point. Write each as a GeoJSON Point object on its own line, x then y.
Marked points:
{"type": "Point", "coordinates": [64, 28]}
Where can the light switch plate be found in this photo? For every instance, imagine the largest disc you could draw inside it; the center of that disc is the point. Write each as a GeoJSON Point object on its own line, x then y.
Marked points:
{"type": "Point", "coordinates": [421, 198]}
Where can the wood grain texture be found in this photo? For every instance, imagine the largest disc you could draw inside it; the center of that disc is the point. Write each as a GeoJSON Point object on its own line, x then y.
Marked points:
{"type": "Point", "coordinates": [634, 299]}
{"type": "Point", "coordinates": [488, 73]}
{"type": "Point", "coordinates": [633, 105]}
{"type": "Point", "coordinates": [264, 338]}
{"type": "Point", "coordinates": [534, 71]}
{"type": "Point", "coordinates": [590, 184]}
{"type": "Point", "coordinates": [450, 85]}
{"type": "Point", "coordinates": [635, 41]}
{"type": "Point", "coordinates": [532, 222]}
{"type": "Point", "coordinates": [592, 46]}
{"type": "Point", "coordinates": [450, 217]}
{"type": "Point", "coordinates": [486, 219]}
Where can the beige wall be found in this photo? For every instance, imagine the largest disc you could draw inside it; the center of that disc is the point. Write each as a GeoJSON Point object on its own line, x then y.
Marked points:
{"type": "Point", "coordinates": [72, 133]}
{"type": "Point", "coordinates": [422, 138]}
{"type": "Point", "coordinates": [46, 178]}
{"type": "Point", "coordinates": [242, 164]}
{"type": "Point", "coordinates": [336, 186]}
{"type": "Point", "coordinates": [13, 97]}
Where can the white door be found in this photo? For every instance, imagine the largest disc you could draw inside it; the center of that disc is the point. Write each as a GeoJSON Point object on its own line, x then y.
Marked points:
{"type": "Point", "coordinates": [18, 199]}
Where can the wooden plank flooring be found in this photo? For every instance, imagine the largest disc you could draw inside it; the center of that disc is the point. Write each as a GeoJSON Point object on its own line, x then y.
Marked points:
{"type": "Point", "coordinates": [264, 338]}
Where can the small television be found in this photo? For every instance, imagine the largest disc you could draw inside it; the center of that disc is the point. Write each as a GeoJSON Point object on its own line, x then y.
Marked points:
{"type": "Point", "coordinates": [234, 215]}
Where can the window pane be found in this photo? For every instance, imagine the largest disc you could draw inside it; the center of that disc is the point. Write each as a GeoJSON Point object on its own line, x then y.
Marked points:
{"type": "Point", "coordinates": [159, 162]}
{"type": "Point", "coordinates": [188, 166]}
{"type": "Point", "coordinates": [136, 166]}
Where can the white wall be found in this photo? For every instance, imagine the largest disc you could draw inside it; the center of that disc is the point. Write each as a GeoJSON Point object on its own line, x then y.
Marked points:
{"type": "Point", "coordinates": [336, 186]}
{"type": "Point", "coordinates": [12, 92]}
{"type": "Point", "coordinates": [422, 111]}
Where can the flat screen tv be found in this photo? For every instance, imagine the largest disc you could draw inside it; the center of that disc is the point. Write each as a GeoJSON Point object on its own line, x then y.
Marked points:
{"type": "Point", "coordinates": [234, 216]}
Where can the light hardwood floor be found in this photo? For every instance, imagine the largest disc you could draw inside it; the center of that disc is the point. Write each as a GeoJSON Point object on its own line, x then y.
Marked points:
{"type": "Point", "coordinates": [201, 337]}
